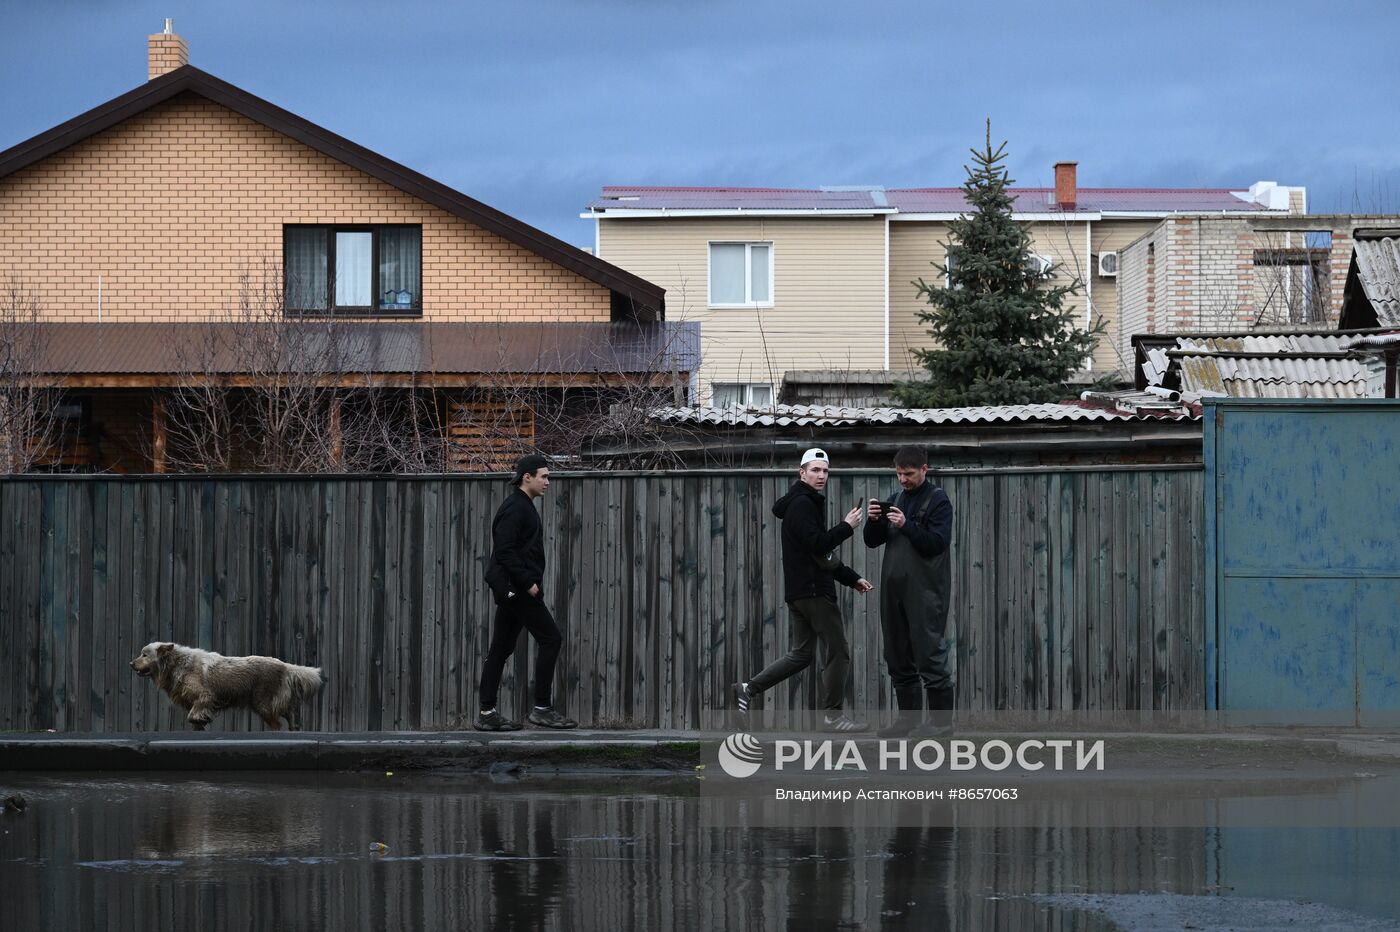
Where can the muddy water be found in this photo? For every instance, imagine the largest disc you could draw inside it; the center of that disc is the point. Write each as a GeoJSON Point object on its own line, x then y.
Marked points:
{"type": "Point", "coordinates": [239, 851]}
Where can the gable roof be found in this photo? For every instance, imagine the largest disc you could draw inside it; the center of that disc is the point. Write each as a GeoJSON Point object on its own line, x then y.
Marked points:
{"type": "Point", "coordinates": [189, 79]}
{"type": "Point", "coordinates": [618, 199]}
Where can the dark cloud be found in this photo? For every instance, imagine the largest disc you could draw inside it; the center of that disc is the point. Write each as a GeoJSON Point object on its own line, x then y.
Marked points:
{"type": "Point", "coordinates": [532, 106]}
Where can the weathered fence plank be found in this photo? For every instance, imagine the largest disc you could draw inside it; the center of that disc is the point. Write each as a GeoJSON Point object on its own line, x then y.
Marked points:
{"type": "Point", "coordinates": [1072, 589]}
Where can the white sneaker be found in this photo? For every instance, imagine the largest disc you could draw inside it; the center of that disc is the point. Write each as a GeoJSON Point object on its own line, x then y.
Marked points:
{"type": "Point", "coordinates": [841, 723]}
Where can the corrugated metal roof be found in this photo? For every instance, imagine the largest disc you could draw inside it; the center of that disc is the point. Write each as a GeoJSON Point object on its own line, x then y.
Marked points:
{"type": "Point", "coordinates": [406, 347]}
{"type": "Point", "coordinates": [828, 416]}
{"type": "Point", "coordinates": [1378, 267]}
{"type": "Point", "coordinates": [1267, 343]}
{"type": "Point", "coordinates": [1262, 365]}
{"type": "Point", "coordinates": [1283, 377]}
{"type": "Point", "coordinates": [914, 200]}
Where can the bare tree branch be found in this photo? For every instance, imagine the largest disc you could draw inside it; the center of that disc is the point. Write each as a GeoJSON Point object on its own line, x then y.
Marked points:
{"type": "Point", "coordinates": [28, 425]}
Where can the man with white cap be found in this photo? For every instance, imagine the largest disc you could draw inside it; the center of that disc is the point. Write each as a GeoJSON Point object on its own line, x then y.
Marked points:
{"type": "Point", "coordinates": [810, 571]}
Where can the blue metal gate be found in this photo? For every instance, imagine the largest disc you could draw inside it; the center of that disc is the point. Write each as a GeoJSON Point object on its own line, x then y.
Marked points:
{"type": "Point", "coordinates": [1303, 556]}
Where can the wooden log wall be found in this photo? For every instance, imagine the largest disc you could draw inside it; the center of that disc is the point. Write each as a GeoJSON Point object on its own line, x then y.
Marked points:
{"type": "Point", "coordinates": [1073, 589]}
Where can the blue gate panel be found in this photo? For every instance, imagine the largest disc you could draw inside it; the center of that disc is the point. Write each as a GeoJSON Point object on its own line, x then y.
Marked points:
{"type": "Point", "coordinates": [1378, 644]}
{"type": "Point", "coordinates": [1290, 644]}
{"type": "Point", "coordinates": [1303, 544]}
{"type": "Point", "coordinates": [1308, 490]}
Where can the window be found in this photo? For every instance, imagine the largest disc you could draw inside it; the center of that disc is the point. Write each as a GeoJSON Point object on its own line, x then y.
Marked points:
{"type": "Point", "coordinates": [353, 270]}
{"type": "Point", "coordinates": [950, 262]}
{"type": "Point", "coordinates": [741, 275]}
{"type": "Point", "coordinates": [741, 394]}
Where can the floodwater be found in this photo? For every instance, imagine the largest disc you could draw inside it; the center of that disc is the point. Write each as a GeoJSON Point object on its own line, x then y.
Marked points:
{"type": "Point", "coordinates": [617, 851]}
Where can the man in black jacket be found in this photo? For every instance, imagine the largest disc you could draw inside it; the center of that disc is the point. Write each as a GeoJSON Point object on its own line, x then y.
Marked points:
{"type": "Point", "coordinates": [515, 575]}
{"type": "Point", "coordinates": [810, 567]}
{"type": "Point", "coordinates": [915, 582]}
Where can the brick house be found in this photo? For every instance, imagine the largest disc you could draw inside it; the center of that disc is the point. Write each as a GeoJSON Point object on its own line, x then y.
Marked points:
{"type": "Point", "coordinates": [801, 280]}
{"type": "Point", "coordinates": [143, 226]}
{"type": "Point", "coordinates": [1221, 274]}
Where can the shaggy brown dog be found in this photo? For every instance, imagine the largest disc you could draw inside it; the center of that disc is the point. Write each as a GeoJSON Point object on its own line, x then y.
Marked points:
{"type": "Point", "coordinates": [205, 682]}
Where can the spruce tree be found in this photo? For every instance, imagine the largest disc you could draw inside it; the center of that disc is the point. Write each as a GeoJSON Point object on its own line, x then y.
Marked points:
{"type": "Point", "coordinates": [1003, 334]}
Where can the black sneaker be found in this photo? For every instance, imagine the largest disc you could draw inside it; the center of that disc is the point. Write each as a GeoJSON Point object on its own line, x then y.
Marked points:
{"type": "Point", "coordinates": [742, 697]}
{"type": "Point", "coordinates": [934, 728]}
{"type": "Point", "coordinates": [494, 721]}
{"type": "Point", "coordinates": [843, 724]}
{"type": "Point", "coordinates": [905, 723]}
{"type": "Point", "coordinates": [549, 718]}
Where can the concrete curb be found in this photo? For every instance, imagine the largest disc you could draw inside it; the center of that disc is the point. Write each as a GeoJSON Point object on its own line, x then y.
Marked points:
{"type": "Point", "coordinates": [578, 750]}
{"type": "Point", "coordinates": [171, 751]}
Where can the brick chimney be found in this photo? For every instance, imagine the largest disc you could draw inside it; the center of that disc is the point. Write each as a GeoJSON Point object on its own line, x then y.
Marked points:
{"type": "Point", "coordinates": [1066, 184]}
{"type": "Point", "coordinates": [165, 52]}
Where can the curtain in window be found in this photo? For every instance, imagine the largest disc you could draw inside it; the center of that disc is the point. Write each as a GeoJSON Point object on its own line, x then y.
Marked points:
{"type": "Point", "coordinates": [727, 273]}
{"type": "Point", "coordinates": [353, 253]}
{"type": "Point", "coordinates": [400, 267]}
{"type": "Point", "coordinates": [305, 267]}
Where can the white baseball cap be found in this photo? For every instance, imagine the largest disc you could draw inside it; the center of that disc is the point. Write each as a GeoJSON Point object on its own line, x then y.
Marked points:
{"type": "Point", "coordinates": [816, 453]}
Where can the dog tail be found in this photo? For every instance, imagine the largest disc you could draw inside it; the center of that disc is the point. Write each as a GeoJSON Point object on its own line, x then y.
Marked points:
{"type": "Point", "coordinates": [304, 681]}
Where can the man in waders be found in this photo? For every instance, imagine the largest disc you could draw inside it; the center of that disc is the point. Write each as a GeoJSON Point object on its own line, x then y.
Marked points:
{"type": "Point", "coordinates": [915, 581]}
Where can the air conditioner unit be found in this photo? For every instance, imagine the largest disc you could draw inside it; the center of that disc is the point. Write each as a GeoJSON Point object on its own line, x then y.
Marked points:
{"type": "Point", "coordinates": [1039, 265]}
{"type": "Point", "coordinates": [1108, 264]}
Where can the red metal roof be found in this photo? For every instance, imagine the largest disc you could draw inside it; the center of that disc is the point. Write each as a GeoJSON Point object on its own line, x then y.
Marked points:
{"type": "Point", "coordinates": [614, 198]}
{"type": "Point", "coordinates": [914, 200]}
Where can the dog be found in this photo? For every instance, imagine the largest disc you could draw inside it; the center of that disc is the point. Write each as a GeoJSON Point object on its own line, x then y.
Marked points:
{"type": "Point", "coordinates": [205, 683]}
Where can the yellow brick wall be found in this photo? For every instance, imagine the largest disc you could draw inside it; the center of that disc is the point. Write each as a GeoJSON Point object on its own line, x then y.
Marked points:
{"type": "Point", "coordinates": [170, 206]}
{"type": "Point", "coordinates": [165, 53]}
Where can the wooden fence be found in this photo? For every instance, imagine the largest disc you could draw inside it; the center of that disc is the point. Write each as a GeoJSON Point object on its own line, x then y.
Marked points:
{"type": "Point", "coordinates": [1073, 589]}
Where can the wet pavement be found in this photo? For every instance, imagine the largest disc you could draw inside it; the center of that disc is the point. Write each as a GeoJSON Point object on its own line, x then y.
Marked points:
{"type": "Point", "coordinates": [612, 850]}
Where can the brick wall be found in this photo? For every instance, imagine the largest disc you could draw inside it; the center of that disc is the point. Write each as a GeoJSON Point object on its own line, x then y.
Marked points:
{"type": "Point", "coordinates": [1137, 270]}
{"type": "Point", "coordinates": [1207, 277]}
{"type": "Point", "coordinates": [1209, 266]}
{"type": "Point", "coordinates": [165, 53]}
{"type": "Point", "coordinates": [172, 205]}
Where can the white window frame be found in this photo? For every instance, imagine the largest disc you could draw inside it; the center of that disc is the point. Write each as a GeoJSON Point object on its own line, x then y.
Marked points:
{"type": "Point", "coordinates": [748, 271]}
{"type": "Point", "coordinates": [746, 393]}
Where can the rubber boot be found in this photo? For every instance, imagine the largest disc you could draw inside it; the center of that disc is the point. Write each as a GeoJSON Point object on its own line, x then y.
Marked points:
{"type": "Point", "coordinates": [940, 713]}
{"type": "Point", "coordinates": [909, 699]}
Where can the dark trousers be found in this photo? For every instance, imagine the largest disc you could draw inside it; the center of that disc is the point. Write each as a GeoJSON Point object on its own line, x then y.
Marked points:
{"type": "Point", "coordinates": [914, 622]}
{"type": "Point", "coordinates": [812, 619]}
{"type": "Point", "coordinates": [527, 612]}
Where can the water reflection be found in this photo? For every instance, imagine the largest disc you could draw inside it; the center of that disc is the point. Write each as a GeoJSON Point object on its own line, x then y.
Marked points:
{"type": "Point", "coordinates": [424, 852]}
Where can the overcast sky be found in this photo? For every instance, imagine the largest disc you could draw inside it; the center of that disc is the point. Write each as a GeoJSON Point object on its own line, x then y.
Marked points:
{"type": "Point", "coordinates": [533, 106]}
